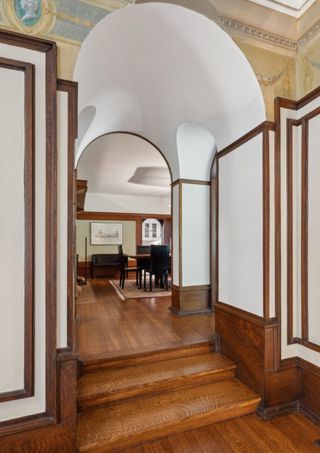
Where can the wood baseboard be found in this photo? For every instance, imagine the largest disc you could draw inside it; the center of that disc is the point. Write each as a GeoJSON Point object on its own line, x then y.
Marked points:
{"type": "Point", "coordinates": [191, 299]}
{"type": "Point", "coordinates": [309, 389]}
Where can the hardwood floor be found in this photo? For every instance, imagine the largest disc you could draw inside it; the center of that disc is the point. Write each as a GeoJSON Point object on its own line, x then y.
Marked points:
{"type": "Point", "coordinates": [109, 325]}
{"type": "Point", "coordinates": [287, 434]}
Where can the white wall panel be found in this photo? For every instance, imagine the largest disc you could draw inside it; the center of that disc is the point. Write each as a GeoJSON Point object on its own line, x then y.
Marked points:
{"type": "Point", "coordinates": [240, 227]}
{"type": "Point", "coordinates": [272, 307]}
{"type": "Point", "coordinates": [35, 404]}
{"type": "Point", "coordinates": [175, 235]}
{"type": "Point", "coordinates": [12, 292]}
{"type": "Point", "coordinates": [195, 234]}
{"type": "Point", "coordinates": [314, 230]}
{"type": "Point", "coordinates": [286, 350]}
{"type": "Point", "coordinates": [296, 229]}
{"type": "Point", "coordinates": [62, 214]}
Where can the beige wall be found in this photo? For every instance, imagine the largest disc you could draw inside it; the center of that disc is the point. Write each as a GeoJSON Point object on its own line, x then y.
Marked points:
{"type": "Point", "coordinates": [275, 72]}
{"type": "Point", "coordinates": [308, 68]}
{"type": "Point", "coordinates": [83, 231]}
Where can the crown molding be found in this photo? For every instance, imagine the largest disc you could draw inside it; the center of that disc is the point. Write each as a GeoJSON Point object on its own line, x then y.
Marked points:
{"type": "Point", "coordinates": [266, 39]}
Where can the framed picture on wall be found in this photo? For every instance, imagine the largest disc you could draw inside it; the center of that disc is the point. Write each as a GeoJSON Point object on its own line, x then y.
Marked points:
{"type": "Point", "coordinates": [106, 233]}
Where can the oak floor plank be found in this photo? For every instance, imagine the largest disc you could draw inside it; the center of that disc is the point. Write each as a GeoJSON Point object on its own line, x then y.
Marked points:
{"type": "Point", "coordinates": [259, 436]}
{"type": "Point", "coordinates": [108, 324]}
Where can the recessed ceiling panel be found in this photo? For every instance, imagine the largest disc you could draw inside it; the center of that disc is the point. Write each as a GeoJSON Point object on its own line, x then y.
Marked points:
{"type": "Point", "coordinates": [293, 8]}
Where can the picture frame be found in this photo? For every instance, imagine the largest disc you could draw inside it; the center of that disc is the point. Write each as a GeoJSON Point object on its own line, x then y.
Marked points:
{"type": "Point", "coordinates": [105, 233]}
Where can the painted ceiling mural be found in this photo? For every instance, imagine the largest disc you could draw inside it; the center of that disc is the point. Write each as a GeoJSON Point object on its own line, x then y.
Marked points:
{"type": "Point", "coordinates": [63, 20]}
{"type": "Point", "coordinates": [68, 22]}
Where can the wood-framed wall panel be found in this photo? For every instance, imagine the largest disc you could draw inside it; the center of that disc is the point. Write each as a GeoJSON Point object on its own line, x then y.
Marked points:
{"type": "Point", "coordinates": [29, 227]}
{"type": "Point", "coordinates": [71, 88]}
{"type": "Point", "coordinates": [264, 129]}
{"type": "Point", "coordinates": [282, 103]}
{"type": "Point", "coordinates": [304, 123]}
{"type": "Point", "coordinates": [193, 298]}
{"type": "Point", "coordinates": [48, 48]}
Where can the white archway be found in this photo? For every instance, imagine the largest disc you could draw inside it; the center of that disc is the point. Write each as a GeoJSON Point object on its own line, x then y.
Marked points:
{"type": "Point", "coordinates": [149, 68]}
{"type": "Point", "coordinates": [174, 77]}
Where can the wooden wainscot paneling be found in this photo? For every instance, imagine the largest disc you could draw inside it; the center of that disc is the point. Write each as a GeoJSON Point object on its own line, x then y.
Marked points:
{"type": "Point", "coordinates": [309, 389]}
{"type": "Point", "coordinates": [251, 342]}
{"type": "Point", "coordinates": [191, 299]}
{"type": "Point", "coordinates": [52, 435]}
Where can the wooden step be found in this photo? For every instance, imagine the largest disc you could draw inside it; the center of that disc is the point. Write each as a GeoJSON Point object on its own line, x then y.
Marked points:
{"type": "Point", "coordinates": [117, 384]}
{"type": "Point", "coordinates": [91, 364]}
{"type": "Point", "coordinates": [119, 426]}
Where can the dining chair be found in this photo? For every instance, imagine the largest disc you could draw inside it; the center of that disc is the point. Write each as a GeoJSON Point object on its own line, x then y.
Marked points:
{"type": "Point", "coordinates": [159, 265]}
{"type": "Point", "coordinates": [142, 263]}
{"type": "Point", "coordinates": [125, 269]}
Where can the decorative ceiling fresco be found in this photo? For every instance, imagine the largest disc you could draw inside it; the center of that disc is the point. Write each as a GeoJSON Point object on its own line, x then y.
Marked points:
{"type": "Point", "coordinates": [63, 20]}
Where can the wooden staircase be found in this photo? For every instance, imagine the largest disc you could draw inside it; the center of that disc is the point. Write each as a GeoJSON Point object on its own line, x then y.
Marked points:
{"type": "Point", "coordinates": [126, 401]}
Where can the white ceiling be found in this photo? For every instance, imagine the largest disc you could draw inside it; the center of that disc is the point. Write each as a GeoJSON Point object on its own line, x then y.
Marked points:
{"type": "Point", "coordinates": [295, 8]}
{"type": "Point", "coordinates": [151, 67]}
{"type": "Point", "coordinates": [124, 164]}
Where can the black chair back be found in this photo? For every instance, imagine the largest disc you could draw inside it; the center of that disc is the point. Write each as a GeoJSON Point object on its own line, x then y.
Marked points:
{"type": "Point", "coordinates": [141, 249]}
{"type": "Point", "coordinates": [122, 259]}
{"type": "Point", "coordinates": [159, 259]}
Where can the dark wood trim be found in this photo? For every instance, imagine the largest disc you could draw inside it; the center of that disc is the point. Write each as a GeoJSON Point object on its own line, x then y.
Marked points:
{"type": "Point", "coordinates": [214, 231]}
{"type": "Point", "coordinates": [243, 314]}
{"type": "Point", "coordinates": [308, 98]}
{"type": "Point", "coordinates": [51, 228]}
{"type": "Point", "coordinates": [198, 182]}
{"type": "Point", "coordinates": [246, 137]}
{"type": "Point", "coordinates": [71, 88]}
{"type": "Point", "coordinates": [175, 183]}
{"type": "Point", "coordinates": [308, 344]}
{"type": "Point", "coordinates": [29, 222]}
{"type": "Point", "coordinates": [28, 42]}
{"type": "Point", "coordinates": [188, 300]}
{"type": "Point", "coordinates": [277, 224]}
{"type": "Point", "coordinates": [275, 411]}
{"type": "Point", "coordinates": [290, 124]}
{"type": "Point", "coordinates": [180, 233]}
{"type": "Point", "coordinates": [304, 232]}
{"type": "Point", "coordinates": [266, 220]}
{"type": "Point", "coordinates": [134, 216]}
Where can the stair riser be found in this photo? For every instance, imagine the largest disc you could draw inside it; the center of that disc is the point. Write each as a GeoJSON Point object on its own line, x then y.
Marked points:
{"type": "Point", "coordinates": [159, 356]}
{"type": "Point", "coordinates": [175, 428]}
{"type": "Point", "coordinates": [156, 388]}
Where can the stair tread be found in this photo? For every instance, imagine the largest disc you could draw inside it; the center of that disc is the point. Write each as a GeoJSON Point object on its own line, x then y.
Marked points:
{"type": "Point", "coordinates": [115, 380]}
{"type": "Point", "coordinates": [165, 352]}
{"type": "Point", "coordinates": [154, 416]}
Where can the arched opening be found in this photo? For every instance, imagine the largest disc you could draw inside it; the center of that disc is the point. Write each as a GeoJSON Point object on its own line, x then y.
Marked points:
{"type": "Point", "coordinates": [186, 101]}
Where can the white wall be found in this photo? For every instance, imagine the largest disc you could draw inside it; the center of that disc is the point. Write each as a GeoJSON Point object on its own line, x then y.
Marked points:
{"type": "Point", "coordinates": [314, 231]}
{"type": "Point", "coordinates": [240, 227]}
{"type": "Point", "coordinates": [195, 234]}
{"type": "Point", "coordinates": [62, 217]}
{"type": "Point", "coordinates": [105, 202]}
{"type": "Point", "coordinates": [202, 85]}
{"type": "Point", "coordinates": [35, 404]}
{"type": "Point", "coordinates": [12, 288]}
{"type": "Point", "coordinates": [194, 140]}
{"type": "Point", "coordinates": [175, 235]}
